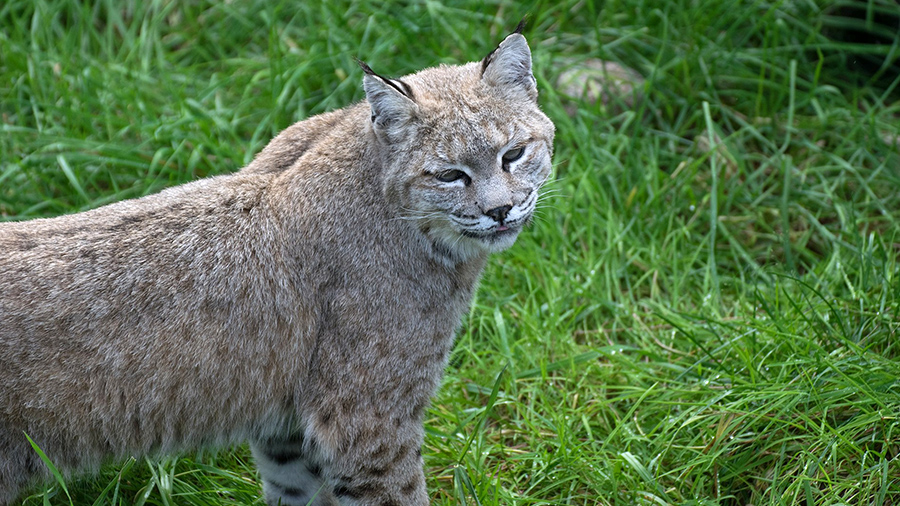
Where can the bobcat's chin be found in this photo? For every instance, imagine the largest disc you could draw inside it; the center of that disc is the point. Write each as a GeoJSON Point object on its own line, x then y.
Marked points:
{"type": "Point", "coordinates": [496, 240]}
{"type": "Point", "coordinates": [501, 240]}
{"type": "Point", "coordinates": [452, 245]}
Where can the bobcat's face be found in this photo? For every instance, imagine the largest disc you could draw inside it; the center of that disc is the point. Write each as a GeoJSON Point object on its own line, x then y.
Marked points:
{"type": "Point", "coordinates": [467, 149]}
{"type": "Point", "coordinates": [477, 191]}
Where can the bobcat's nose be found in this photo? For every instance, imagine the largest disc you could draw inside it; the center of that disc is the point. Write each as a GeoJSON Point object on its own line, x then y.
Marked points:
{"type": "Point", "coordinates": [498, 213]}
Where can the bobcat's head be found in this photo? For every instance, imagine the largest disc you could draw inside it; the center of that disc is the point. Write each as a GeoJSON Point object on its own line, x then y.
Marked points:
{"type": "Point", "coordinates": [466, 149]}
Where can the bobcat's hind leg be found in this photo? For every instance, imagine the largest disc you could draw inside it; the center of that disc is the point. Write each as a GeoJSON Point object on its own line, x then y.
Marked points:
{"type": "Point", "coordinates": [20, 467]}
{"type": "Point", "coordinates": [290, 476]}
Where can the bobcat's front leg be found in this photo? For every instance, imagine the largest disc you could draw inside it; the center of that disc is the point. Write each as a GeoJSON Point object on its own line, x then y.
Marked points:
{"type": "Point", "coordinates": [358, 459]}
{"type": "Point", "coordinates": [291, 473]}
{"type": "Point", "coordinates": [367, 429]}
{"type": "Point", "coordinates": [381, 466]}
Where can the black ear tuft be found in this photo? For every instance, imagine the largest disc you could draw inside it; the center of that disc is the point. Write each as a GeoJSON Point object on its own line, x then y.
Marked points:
{"type": "Point", "coordinates": [365, 67]}
{"type": "Point", "coordinates": [521, 26]}
{"type": "Point", "coordinates": [398, 84]}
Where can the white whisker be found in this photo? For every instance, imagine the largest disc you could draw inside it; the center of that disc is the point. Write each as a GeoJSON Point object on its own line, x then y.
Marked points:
{"type": "Point", "coordinates": [552, 192]}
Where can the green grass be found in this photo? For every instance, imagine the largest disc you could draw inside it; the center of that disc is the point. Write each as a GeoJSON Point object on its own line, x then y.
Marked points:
{"type": "Point", "coordinates": [706, 310]}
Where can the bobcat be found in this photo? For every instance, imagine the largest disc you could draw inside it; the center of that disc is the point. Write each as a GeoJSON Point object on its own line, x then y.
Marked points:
{"type": "Point", "coordinates": [306, 303]}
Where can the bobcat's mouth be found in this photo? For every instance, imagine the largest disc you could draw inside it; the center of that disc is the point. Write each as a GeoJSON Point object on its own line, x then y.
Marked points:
{"type": "Point", "coordinates": [493, 234]}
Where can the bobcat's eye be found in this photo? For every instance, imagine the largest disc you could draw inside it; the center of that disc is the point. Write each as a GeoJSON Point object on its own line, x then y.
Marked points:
{"type": "Point", "coordinates": [513, 155]}
{"type": "Point", "coordinates": [448, 176]}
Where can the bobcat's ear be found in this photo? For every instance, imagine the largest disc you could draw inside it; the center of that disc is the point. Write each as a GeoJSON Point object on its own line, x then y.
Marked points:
{"type": "Point", "coordinates": [391, 100]}
{"type": "Point", "coordinates": [509, 65]}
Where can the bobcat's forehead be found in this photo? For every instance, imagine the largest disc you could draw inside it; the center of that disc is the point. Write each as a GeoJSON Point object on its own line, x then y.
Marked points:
{"type": "Point", "coordinates": [457, 95]}
{"type": "Point", "coordinates": [466, 119]}
{"type": "Point", "coordinates": [468, 142]}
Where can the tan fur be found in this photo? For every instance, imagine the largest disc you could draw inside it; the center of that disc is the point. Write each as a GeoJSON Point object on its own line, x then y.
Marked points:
{"type": "Point", "coordinates": [306, 303]}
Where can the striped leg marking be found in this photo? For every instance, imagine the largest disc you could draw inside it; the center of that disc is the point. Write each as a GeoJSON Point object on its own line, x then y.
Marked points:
{"type": "Point", "coordinates": [289, 477]}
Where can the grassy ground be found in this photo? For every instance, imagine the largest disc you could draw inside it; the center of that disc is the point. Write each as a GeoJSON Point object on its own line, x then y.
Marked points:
{"type": "Point", "coordinates": [706, 311]}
